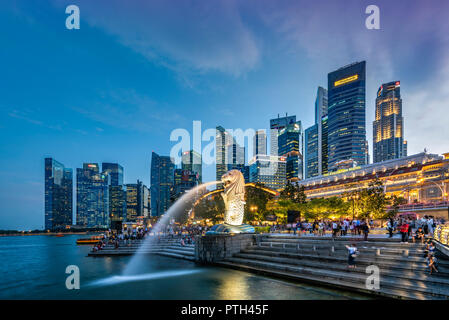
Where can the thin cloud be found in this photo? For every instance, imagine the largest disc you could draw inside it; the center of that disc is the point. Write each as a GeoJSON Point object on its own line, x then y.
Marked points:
{"type": "Point", "coordinates": [128, 110]}
{"type": "Point", "coordinates": [185, 36]}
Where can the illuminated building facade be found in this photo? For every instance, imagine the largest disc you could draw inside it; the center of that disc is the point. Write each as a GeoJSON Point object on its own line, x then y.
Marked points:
{"type": "Point", "coordinates": [162, 180]}
{"type": "Point", "coordinates": [388, 127]}
{"type": "Point", "coordinates": [276, 125]}
{"type": "Point", "coordinates": [58, 195]}
{"type": "Point", "coordinates": [135, 200]}
{"type": "Point", "coordinates": [346, 115]}
{"type": "Point", "coordinates": [290, 146]}
{"type": "Point", "coordinates": [420, 178]}
{"type": "Point", "coordinates": [268, 170]}
{"type": "Point", "coordinates": [92, 197]}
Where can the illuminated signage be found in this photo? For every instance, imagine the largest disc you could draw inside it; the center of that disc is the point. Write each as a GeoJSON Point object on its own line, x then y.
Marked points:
{"type": "Point", "coordinates": [346, 80]}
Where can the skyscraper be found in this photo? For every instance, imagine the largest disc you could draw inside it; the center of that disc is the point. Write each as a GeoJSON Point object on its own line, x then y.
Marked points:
{"type": "Point", "coordinates": [315, 145]}
{"type": "Point", "coordinates": [115, 171]}
{"type": "Point", "coordinates": [162, 180]}
{"type": "Point", "coordinates": [135, 200]}
{"type": "Point", "coordinates": [222, 140]}
{"type": "Point", "coordinates": [191, 161]}
{"type": "Point", "coordinates": [275, 126]}
{"type": "Point", "coordinates": [184, 181]}
{"type": "Point", "coordinates": [268, 170]}
{"type": "Point", "coordinates": [117, 192]}
{"type": "Point", "coordinates": [311, 153]}
{"type": "Point", "coordinates": [260, 143]}
{"type": "Point", "coordinates": [235, 157]}
{"type": "Point", "coordinates": [346, 115]}
{"type": "Point", "coordinates": [92, 197]}
{"type": "Point", "coordinates": [58, 195]}
{"type": "Point", "coordinates": [290, 146]}
{"type": "Point", "coordinates": [388, 127]}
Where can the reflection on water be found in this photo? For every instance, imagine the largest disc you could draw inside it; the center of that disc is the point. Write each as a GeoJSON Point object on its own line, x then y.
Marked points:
{"type": "Point", "coordinates": [234, 287]}
{"type": "Point", "coordinates": [140, 277]}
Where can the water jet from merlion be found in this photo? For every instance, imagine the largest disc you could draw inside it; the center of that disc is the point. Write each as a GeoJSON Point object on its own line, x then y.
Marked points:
{"type": "Point", "coordinates": [234, 199]}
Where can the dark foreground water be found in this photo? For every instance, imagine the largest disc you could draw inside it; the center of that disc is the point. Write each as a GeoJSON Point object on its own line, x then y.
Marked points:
{"type": "Point", "coordinates": [33, 267]}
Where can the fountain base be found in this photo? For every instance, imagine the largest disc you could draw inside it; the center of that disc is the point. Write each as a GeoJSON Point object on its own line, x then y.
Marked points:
{"type": "Point", "coordinates": [225, 228]}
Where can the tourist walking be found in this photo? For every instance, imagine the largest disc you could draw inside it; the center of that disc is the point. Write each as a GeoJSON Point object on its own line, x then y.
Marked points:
{"type": "Point", "coordinates": [352, 254]}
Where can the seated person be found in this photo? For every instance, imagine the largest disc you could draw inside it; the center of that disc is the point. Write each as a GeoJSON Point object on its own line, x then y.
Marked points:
{"type": "Point", "coordinates": [419, 234]}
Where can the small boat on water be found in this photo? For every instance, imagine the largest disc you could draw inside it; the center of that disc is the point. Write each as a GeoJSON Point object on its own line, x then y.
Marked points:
{"type": "Point", "coordinates": [91, 240]}
{"type": "Point", "coordinates": [59, 235]}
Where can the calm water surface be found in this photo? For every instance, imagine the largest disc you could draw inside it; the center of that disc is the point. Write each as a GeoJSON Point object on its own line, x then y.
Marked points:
{"type": "Point", "coordinates": [33, 267]}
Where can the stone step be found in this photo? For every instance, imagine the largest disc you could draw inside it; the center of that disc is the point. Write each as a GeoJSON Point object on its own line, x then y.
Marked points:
{"type": "Point", "coordinates": [385, 292]}
{"type": "Point", "coordinates": [387, 261]}
{"type": "Point", "coordinates": [340, 253]}
{"type": "Point", "coordinates": [407, 287]}
{"type": "Point", "coordinates": [184, 252]}
{"type": "Point", "coordinates": [177, 256]}
{"type": "Point", "coordinates": [342, 242]}
{"type": "Point", "coordinates": [342, 248]}
{"type": "Point", "coordinates": [405, 273]}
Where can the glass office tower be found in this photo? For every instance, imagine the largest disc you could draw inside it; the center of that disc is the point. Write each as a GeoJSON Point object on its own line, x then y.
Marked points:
{"type": "Point", "coordinates": [388, 127]}
{"type": "Point", "coordinates": [315, 138]}
{"type": "Point", "coordinates": [117, 192]}
{"type": "Point", "coordinates": [191, 161]}
{"type": "Point", "coordinates": [260, 143]}
{"type": "Point", "coordinates": [92, 197]}
{"type": "Point", "coordinates": [162, 181]}
{"type": "Point", "coordinates": [276, 125]}
{"type": "Point", "coordinates": [290, 146]}
{"type": "Point", "coordinates": [58, 195]}
{"type": "Point", "coordinates": [346, 116]}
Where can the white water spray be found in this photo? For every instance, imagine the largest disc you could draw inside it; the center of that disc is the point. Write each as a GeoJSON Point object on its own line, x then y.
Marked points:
{"type": "Point", "coordinates": [132, 267]}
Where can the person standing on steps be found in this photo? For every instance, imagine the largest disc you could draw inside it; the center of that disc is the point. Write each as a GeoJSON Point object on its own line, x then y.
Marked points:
{"type": "Point", "coordinates": [365, 229]}
{"type": "Point", "coordinates": [404, 232]}
{"type": "Point", "coordinates": [390, 227]}
{"type": "Point", "coordinates": [352, 254]}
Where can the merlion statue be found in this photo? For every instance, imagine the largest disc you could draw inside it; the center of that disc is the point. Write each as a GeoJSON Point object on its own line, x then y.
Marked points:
{"type": "Point", "coordinates": [234, 200]}
{"type": "Point", "coordinates": [234, 197]}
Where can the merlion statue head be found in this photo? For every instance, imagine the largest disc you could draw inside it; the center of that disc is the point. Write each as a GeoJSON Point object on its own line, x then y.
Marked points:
{"type": "Point", "coordinates": [234, 197]}
{"type": "Point", "coordinates": [234, 184]}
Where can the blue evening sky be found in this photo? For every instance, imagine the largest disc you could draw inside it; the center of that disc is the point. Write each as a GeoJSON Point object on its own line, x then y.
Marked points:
{"type": "Point", "coordinates": [136, 70]}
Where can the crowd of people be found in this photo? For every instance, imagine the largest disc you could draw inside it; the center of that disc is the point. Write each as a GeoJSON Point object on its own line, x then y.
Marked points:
{"type": "Point", "coordinates": [418, 230]}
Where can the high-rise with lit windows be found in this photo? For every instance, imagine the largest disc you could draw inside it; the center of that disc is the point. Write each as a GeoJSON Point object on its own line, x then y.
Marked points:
{"type": "Point", "coordinates": [346, 116]}
{"type": "Point", "coordinates": [388, 126]}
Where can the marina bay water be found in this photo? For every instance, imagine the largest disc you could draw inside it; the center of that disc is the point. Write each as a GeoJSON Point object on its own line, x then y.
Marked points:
{"type": "Point", "coordinates": [33, 267]}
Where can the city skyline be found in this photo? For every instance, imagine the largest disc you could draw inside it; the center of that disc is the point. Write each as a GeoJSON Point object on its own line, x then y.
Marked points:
{"type": "Point", "coordinates": [119, 115]}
